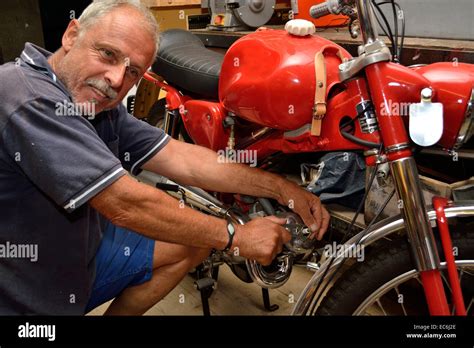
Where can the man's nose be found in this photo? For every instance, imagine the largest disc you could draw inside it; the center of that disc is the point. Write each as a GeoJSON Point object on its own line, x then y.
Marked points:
{"type": "Point", "coordinates": [115, 75]}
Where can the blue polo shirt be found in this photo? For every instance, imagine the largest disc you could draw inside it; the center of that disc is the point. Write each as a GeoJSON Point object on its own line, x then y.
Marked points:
{"type": "Point", "coordinates": [51, 165]}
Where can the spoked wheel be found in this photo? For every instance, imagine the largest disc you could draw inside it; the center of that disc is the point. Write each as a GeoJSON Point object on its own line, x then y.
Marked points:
{"type": "Point", "coordinates": [389, 299]}
{"type": "Point", "coordinates": [387, 284]}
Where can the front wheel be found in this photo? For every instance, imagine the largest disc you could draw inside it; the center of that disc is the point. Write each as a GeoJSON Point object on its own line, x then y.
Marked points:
{"type": "Point", "coordinates": [386, 283]}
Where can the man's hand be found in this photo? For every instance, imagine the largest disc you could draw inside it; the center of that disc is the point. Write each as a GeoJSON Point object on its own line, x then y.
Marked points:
{"type": "Point", "coordinates": [261, 239]}
{"type": "Point", "coordinates": [307, 206]}
{"type": "Point", "coordinates": [197, 166]}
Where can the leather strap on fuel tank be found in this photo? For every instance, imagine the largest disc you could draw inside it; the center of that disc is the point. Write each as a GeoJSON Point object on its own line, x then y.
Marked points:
{"type": "Point", "coordinates": [319, 108]}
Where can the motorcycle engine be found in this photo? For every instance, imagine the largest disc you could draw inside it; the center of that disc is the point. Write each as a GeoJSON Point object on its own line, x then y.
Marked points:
{"type": "Point", "coordinates": [300, 243]}
{"type": "Point", "coordinates": [279, 271]}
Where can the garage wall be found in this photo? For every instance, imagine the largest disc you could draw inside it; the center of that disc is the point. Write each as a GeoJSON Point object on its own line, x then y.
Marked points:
{"type": "Point", "coordinates": [56, 16]}
{"type": "Point", "coordinates": [449, 19]}
{"type": "Point", "coordinates": [20, 21]}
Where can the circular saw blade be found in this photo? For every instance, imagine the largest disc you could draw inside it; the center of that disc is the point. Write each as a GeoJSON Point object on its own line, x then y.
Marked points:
{"type": "Point", "coordinates": [255, 13]}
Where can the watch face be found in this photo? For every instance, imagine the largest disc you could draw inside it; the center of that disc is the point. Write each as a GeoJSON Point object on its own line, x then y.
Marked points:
{"type": "Point", "coordinates": [231, 228]}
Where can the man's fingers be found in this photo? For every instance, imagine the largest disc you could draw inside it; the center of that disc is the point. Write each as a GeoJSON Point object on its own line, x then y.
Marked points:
{"type": "Point", "coordinates": [308, 218]}
{"type": "Point", "coordinates": [313, 217]}
{"type": "Point", "coordinates": [317, 210]}
{"type": "Point", "coordinates": [277, 220]}
{"type": "Point", "coordinates": [280, 248]}
{"type": "Point", "coordinates": [285, 237]}
{"type": "Point", "coordinates": [325, 223]}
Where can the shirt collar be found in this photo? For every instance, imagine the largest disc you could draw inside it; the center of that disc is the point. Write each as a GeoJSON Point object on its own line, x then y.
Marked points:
{"type": "Point", "coordinates": [37, 58]}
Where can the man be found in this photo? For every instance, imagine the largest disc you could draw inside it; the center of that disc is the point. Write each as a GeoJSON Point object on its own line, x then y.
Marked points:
{"type": "Point", "coordinates": [64, 188]}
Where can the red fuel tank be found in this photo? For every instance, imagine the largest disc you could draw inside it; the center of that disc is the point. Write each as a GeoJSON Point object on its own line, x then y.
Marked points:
{"type": "Point", "coordinates": [268, 77]}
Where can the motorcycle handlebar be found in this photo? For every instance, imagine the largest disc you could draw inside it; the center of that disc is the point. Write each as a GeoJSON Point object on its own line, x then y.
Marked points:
{"type": "Point", "coordinates": [318, 11]}
{"type": "Point", "coordinates": [326, 8]}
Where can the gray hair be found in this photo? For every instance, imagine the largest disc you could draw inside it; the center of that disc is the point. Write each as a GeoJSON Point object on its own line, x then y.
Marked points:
{"type": "Point", "coordinates": [99, 8]}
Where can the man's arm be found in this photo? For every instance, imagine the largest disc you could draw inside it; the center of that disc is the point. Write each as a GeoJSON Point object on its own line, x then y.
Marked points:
{"type": "Point", "coordinates": [153, 213]}
{"type": "Point", "coordinates": [195, 165]}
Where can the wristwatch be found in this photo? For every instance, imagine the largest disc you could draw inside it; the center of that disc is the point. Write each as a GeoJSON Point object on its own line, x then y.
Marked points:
{"type": "Point", "coordinates": [231, 232]}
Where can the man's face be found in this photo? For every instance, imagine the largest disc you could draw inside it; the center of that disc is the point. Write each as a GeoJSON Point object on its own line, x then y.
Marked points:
{"type": "Point", "coordinates": [107, 59]}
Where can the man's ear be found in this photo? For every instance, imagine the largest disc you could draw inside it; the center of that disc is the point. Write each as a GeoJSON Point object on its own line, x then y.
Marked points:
{"type": "Point", "coordinates": [70, 35]}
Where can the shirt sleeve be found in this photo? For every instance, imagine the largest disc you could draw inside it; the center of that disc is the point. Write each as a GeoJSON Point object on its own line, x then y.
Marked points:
{"type": "Point", "coordinates": [62, 155]}
{"type": "Point", "coordinates": [139, 141]}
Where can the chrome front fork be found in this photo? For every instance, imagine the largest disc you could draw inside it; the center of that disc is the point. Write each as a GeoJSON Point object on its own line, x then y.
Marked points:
{"type": "Point", "coordinates": [413, 210]}
{"type": "Point", "coordinates": [421, 238]}
{"type": "Point", "coordinates": [366, 15]}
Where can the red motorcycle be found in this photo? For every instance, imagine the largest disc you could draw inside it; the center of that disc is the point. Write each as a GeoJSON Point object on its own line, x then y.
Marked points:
{"type": "Point", "coordinates": [279, 93]}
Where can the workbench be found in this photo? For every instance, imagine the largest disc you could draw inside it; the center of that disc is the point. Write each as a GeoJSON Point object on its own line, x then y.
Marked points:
{"type": "Point", "coordinates": [416, 50]}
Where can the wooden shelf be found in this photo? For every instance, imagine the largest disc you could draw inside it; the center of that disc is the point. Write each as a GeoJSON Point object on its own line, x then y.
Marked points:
{"type": "Point", "coordinates": [169, 3]}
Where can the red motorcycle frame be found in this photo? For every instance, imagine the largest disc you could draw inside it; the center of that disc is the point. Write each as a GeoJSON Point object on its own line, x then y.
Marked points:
{"type": "Point", "coordinates": [261, 80]}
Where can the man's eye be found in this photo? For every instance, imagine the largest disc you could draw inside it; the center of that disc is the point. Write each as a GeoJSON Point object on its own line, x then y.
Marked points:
{"type": "Point", "coordinates": [106, 53]}
{"type": "Point", "coordinates": [133, 72]}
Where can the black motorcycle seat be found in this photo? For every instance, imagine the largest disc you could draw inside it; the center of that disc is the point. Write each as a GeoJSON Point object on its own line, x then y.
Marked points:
{"type": "Point", "coordinates": [183, 61]}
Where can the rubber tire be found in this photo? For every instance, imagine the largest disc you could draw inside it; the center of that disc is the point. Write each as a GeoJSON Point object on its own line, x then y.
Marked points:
{"type": "Point", "coordinates": [156, 114]}
{"type": "Point", "coordinates": [156, 117]}
{"type": "Point", "coordinates": [380, 266]}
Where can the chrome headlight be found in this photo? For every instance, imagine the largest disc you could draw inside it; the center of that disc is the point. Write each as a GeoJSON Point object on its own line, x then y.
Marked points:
{"type": "Point", "coordinates": [467, 129]}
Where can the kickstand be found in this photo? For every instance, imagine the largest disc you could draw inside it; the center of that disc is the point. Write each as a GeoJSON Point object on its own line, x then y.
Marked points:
{"type": "Point", "coordinates": [205, 287]}
{"type": "Point", "coordinates": [266, 301]}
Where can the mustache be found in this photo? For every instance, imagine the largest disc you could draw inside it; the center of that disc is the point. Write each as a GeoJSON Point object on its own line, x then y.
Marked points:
{"type": "Point", "coordinates": [102, 86]}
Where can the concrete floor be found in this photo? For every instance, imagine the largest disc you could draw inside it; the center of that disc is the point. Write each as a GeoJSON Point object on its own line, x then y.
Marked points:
{"type": "Point", "coordinates": [231, 297]}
